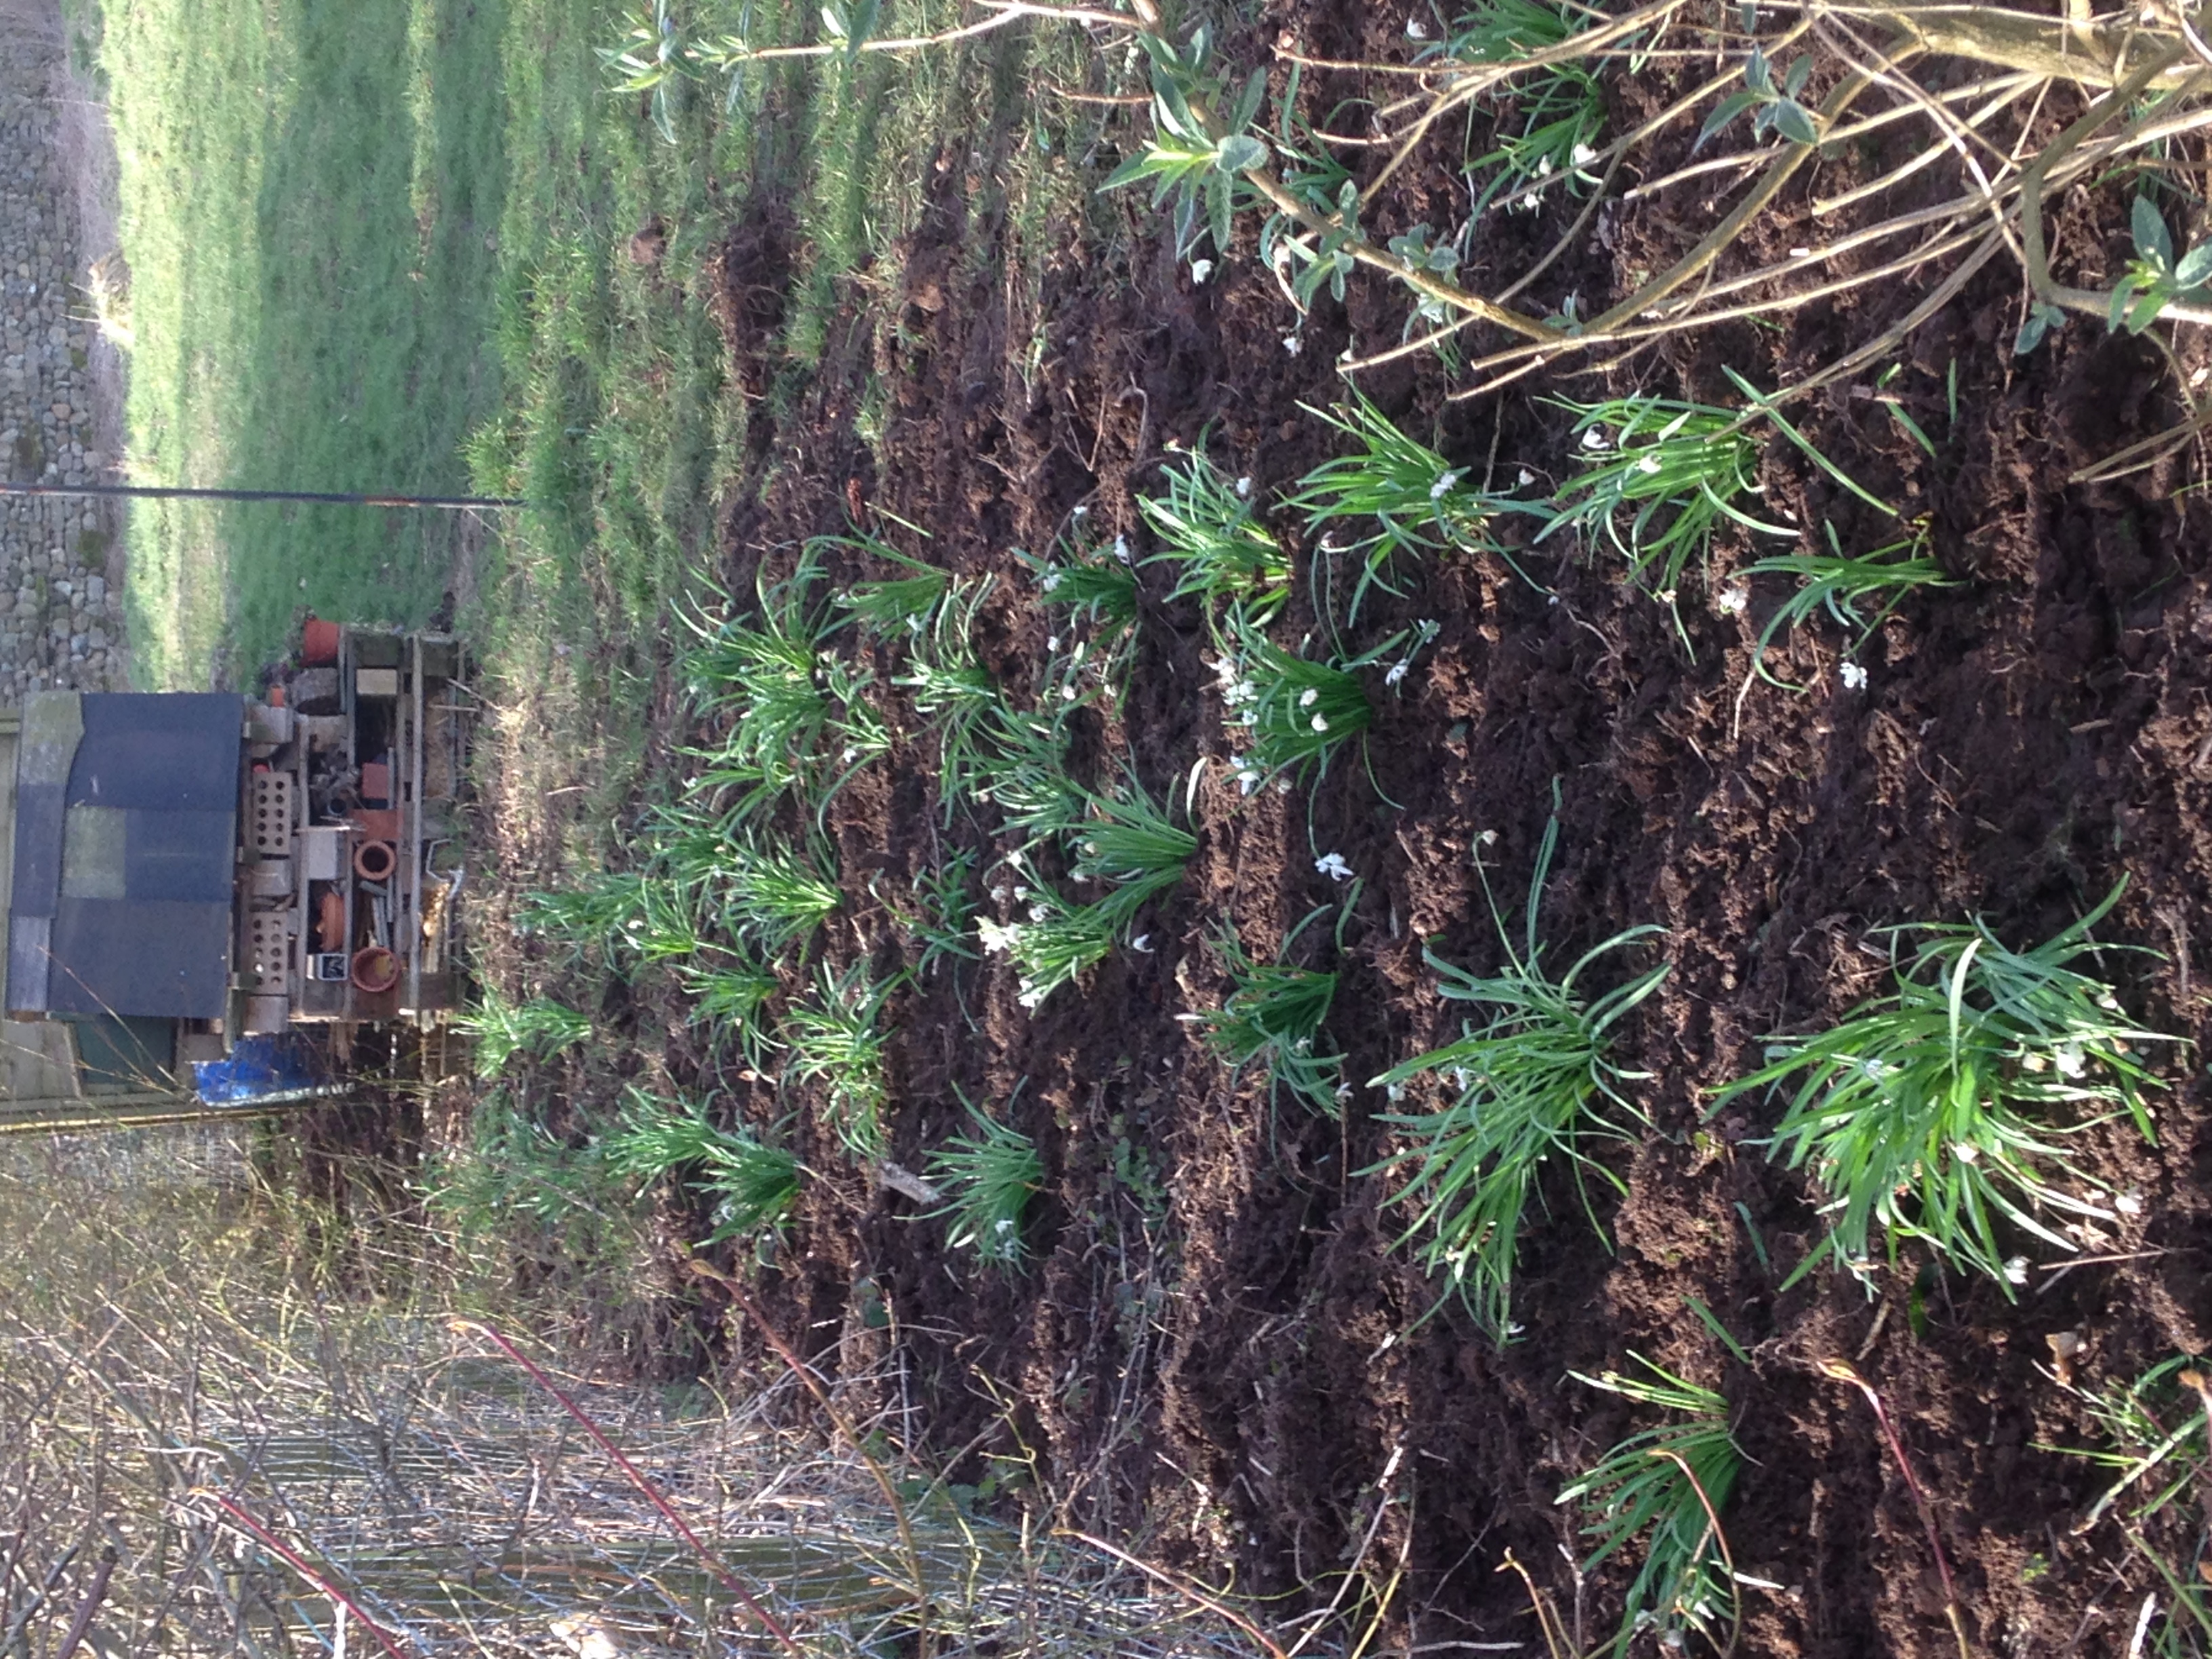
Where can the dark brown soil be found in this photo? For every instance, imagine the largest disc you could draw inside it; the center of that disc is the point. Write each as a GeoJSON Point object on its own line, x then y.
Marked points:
{"type": "Point", "coordinates": [1216, 1347]}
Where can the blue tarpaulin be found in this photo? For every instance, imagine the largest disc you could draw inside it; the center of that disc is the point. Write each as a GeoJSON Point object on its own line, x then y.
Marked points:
{"type": "Point", "coordinates": [258, 1068]}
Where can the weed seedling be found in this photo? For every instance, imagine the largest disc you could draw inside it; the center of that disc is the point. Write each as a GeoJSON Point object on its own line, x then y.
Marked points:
{"type": "Point", "coordinates": [1934, 1111]}
{"type": "Point", "coordinates": [1839, 586]}
{"type": "Point", "coordinates": [1527, 1082]}
{"type": "Point", "coordinates": [1667, 1485]}
{"type": "Point", "coordinates": [988, 1177]}
{"type": "Point", "coordinates": [836, 1039]}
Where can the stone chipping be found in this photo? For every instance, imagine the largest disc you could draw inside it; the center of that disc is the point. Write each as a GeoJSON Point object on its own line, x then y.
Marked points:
{"type": "Point", "coordinates": [61, 614]}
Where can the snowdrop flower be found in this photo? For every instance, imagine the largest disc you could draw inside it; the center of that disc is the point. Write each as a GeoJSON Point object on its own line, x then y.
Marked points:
{"type": "Point", "coordinates": [1052, 640]}
{"type": "Point", "coordinates": [997, 940]}
{"type": "Point", "coordinates": [1321, 722]}
{"type": "Point", "coordinates": [1583, 155]}
{"type": "Point", "coordinates": [1082, 510]}
{"type": "Point", "coordinates": [1965, 1153]}
{"type": "Point", "coordinates": [1293, 344]}
{"type": "Point", "coordinates": [1067, 694]}
{"type": "Point", "coordinates": [2015, 1271]}
{"type": "Point", "coordinates": [1874, 1071]}
{"type": "Point", "coordinates": [1524, 478]}
{"type": "Point", "coordinates": [1732, 601]}
{"type": "Point", "coordinates": [1853, 676]}
{"type": "Point", "coordinates": [1309, 697]}
{"type": "Point", "coordinates": [1394, 1092]}
{"type": "Point", "coordinates": [1006, 1223]}
{"type": "Point", "coordinates": [1593, 439]}
{"type": "Point", "coordinates": [1414, 31]}
{"type": "Point", "coordinates": [1244, 487]}
{"type": "Point", "coordinates": [1333, 866]}
{"type": "Point", "coordinates": [1397, 672]}
{"type": "Point", "coordinates": [2128, 1203]}
{"type": "Point", "coordinates": [1122, 549]}
{"type": "Point", "coordinates": [1142, 944]}
{"type": "Point", "coordinates": [1445, 483]}
{"type": "Point", "coordinates": [1647, 464]}
{"type": "Point", "coordinates": [1200, 269]}
{"type": "Point", "coordinates": [2069, 1060]}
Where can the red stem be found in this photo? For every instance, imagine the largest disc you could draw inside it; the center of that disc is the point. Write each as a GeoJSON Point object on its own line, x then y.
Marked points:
{"type": "Point", "coordinates": [246, 1520]}
{"type": "Point", "coordinates": [637, 1477]}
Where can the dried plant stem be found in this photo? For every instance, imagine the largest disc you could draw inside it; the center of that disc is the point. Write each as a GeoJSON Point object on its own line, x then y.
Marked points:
{"type": "Point", "coordinates": [1183, 1587]}
{"type": "Point", "coordinates": [1843, 1372]}
{"type": "Point", "coordinates": [652, 1494]}
{"type": "Point", "coordinates": [248, 1524]}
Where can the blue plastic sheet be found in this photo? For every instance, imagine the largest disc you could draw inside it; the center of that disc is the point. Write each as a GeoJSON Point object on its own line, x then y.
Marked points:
{"type": "Point", "coordinates": [258, 1068]}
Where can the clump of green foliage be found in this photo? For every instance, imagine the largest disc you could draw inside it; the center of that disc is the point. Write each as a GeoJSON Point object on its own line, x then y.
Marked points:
{"type": "Point", "coordinates": [990, 1176]}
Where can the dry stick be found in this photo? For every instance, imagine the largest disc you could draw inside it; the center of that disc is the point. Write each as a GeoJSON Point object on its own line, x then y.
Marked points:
{"type": "Point", "coordinates": [246, 1522]}
{"type": "Point", "coordinates": [22, 1620]}
{"type": "Point", "coordinates": [1005, 12]}
{"type": "Point", "coordinates": [95, 1593]}
{"type": "Point", "coordinates": [799, 1369]}
{"type": "Point", "coordinates": [1182, 1586]}
{"type": "Point", "coordinates": [1843, 1372]}
{"type": "Point", "coordinates": [1713, 1528]}
{"type": "Point", "coordinates": [651, 1493]}
{"type": "Point", "coordinates": [1556, 1641]}
{"type": "Point", "coordinates": [2007, 94]}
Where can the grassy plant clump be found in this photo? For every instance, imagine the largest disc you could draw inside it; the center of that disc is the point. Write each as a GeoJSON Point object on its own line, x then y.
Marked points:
{"type": "Point", "coordinates": [837, 1039]}
{"type": "Point", "coordinates": [1531, 1079]}
{"type": "Point", "coordinates": [1211, 533]}
{"type": "Point", "coordinates": [1666, 1486]}
{"type": "Point", "coordinates": [1053, 942]}
{"type": "Point", "coordinates": [1658, 476]}
{"type": "Point", "coordinates": [626, 917]}
{"type": "Point", "coordinates": [754, 1185]}
{"type": "Point", "coordinates": [1127, 839]}
{"type": "Point", "coordinates": [1839, 585]}
{"type": "Point", "coordinates": [955, 695]}
{"type": "Point", "coordinates": [730, 996]}
{"type": "Point", "coordinates": [1391, 496]}
{"type": "Point", "coordinates": [1935, 1111]}
{"type": "Point", "coordinates": [1287, 714]}
{"type": "Point", "coordinates": [765, 673]}
{"type": "Point", "coordinates": [1094, 585]}
{"type": "Point", "coordinates": [989, 1178]}
{"type": "Point", "coordinates": [1560, 109]}
{"type": "Point", "coordinates": [944, 914]}
{"type": "Point", "coordinates": [894, 608]}
{"type": "Point", "coordinates": [1272, 1019]}
{"type": "Point", "coordinates": [771, 897]}
{"type": "Point", "coordinates": [539, 1029]}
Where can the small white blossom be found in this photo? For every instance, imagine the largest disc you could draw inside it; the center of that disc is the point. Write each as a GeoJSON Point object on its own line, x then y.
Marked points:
{"type": "Point", "coordinates": [1875, 1070]}
{"type": "Point", "coordinates": [1309, 697]}
{"type": "Point", "coordinates": [1200, 269]}
{"type": "Point", "coordinates": [1853, 676]}
{"type": "Point", "coordinates": [1052, 642]}
{"type": "Point", "coordinates": [1293, 344]}
{"type": "Point", "coordinates": [2128, 1203]}
{"type": "Point", "coordinates": [1142, 943]}
{"type": "Point", "coordinates": [1244, 487]}
{"type": "Point", "coordinates": [2016, 1270]}
{"type": "Point", "coordinates": [1732, 601]}
{"type": "Point", "coordinates": [1445, 483]}
{"type": "Point", "coordinates": [2069, 1060]}
{"type": "Point", "coordinates": [1585, 155]}
{"type": "Point", "coordinates": [1397, 672]}
{"type": "Point", "coordinates": [1414, 31]}
{"type": "Point", "coordinates": [1524, 478]}
{"type": "Point", "coordinates": [1082, 510]}
{"type": "Point", "coordinates": [1647, 465]}
{"type": "Point", "coordinates": [1593, 439]}
{"type": "Point", "coordinates": [1320, 722]}
{"type": "Point", "coordinates": [1965, 1152]}
{"type": "Point", "coordinates": [997, 940]}
{"type": "Point", "coordinates": [1122, 549]}
{"type": "Point", "coordinates": [1394, 1092]}
{"type": "Point", "coordinates": [1333, 866]}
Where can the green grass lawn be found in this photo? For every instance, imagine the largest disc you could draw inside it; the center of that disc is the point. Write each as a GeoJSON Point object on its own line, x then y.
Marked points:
{"type": "Point", "coordinates": [312, 192]}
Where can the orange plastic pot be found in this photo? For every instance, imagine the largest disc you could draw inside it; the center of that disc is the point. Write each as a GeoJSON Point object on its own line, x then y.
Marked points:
{"type": "Point", "coordinates": [319, 642]}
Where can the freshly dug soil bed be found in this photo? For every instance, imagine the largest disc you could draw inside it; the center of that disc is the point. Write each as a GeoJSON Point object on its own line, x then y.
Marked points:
{"type": "Point", "coordinates": [1216, 1345]}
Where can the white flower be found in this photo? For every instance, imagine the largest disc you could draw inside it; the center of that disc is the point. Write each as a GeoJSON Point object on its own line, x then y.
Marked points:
{"type": "Point", "coordinates": [1397, 672]}
{"type": "Point", "coordinates": [1583, 155]}
{"type": "Point", "coordinates": [997, 940]}
{"type": "Point", "coordinates": [1593, 439]}
{"type": "Point", "coordinates": [1647, 463]}
{"type": "Point", "coordinates": [1244, 487]}
{"type": "Point", "coordinates": [1965, 1152]}
{"type": "Point", "coordinates": [2069, 1060]}
{"type": "Point", "coordinates": [1524, 478]}
{"type": "Point", "coordinates": [1732, 601]}
{"type": "Point", "coordinates": [1006, 1223]}
{"type": "Point", "coordinates": [1394, 1092]}
{"type": "Point", "coordinates": [1052, 642]}
{"type": "Point", "coordinates": [1320, 722]}
{"type": "Point", "coordinates": [1082, 510]}
{"type": "Point", "coordinates": [1853, 676]}
{"type": "Point", "coordinates": [1200, 269]}
{"type": "Point", "coordinates": [1142, 943]}
{"type": "Point", "coordinates": [1414, 31]}
{"type": "Point", "coordinates": [1293, 344]}
{"type": "Point", "coordinates": [2016, 1270]}
{"type": "Point", "coordinates": [1309, 697]}
{"type": "Point", "coordinates": [1122, 549]}
{"type": "Point", "coordinates": [1445, 483]}
{"type": "Point", "coordinates": [2128, 1203]}
{"type": "Point", "coordinates": [1333, 866]}
{"type": "Point", "coordinates": [1875, 1070]}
